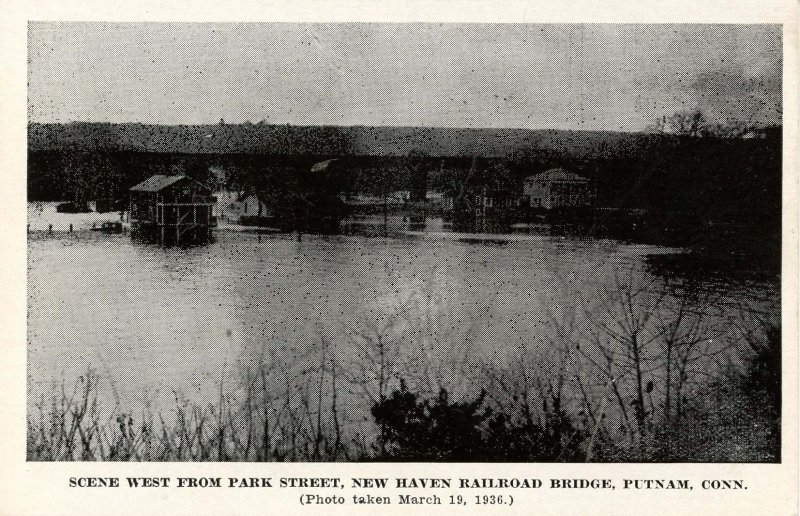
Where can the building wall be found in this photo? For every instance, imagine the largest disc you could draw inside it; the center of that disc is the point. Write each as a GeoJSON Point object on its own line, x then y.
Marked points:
{"type": "Point", "coordinates": [143, 206]}
{"type": "Point", "coordinates": [253, 207]}
{"type": "Point", "coordinates": [537, 194]}
{"type": "Point", "coordinates": [569, 195]}
{"type": "Point", "coordinates": [557, 194]}
{"type": "Point", "coordinates": [184, 201]}
{"type": "Point", "coordinates": [186, 192]}
{"type": "Point", "coordinates": [228, 207]}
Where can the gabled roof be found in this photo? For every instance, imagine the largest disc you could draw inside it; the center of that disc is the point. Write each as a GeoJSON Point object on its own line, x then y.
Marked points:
{"type": "Point", "coordinates": [258, 195]}
{"type": "Point", "coordinates": [158, 182]}
{"type": "Point", "coordinates": [557, 175]}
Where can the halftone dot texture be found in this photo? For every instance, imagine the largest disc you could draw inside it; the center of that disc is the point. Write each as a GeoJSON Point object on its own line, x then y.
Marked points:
{"type": "Point", "coordinates": [566, 76]}
{"type": "Point", "coordinates": [279, 346]}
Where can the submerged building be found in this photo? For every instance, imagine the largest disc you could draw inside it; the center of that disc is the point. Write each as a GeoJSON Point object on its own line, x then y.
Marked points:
{"type": "Point", "coordinates": [172, 208]}
{"type": "Point", "coordinates": [556, 188]}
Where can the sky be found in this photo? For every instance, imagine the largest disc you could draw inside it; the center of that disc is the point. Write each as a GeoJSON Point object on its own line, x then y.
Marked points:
{"type": "Point", "coordinates": [619, 77]}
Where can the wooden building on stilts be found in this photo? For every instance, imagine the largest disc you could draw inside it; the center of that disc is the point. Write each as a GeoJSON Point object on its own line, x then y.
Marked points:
{"type": "Point", "coordinates": [172, 209]}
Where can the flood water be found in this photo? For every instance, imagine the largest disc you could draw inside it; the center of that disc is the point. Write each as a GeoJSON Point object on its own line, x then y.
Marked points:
{"type": "Point", "coordinates": [161, 323]}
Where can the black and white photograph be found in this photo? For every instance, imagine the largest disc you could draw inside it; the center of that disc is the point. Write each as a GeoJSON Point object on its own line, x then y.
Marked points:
{"type": "Point", "coordinates": [404, 242]}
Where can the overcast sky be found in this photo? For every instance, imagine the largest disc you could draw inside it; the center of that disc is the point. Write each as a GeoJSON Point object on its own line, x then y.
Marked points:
{"type": "Point", "coordinates": [615, 77]}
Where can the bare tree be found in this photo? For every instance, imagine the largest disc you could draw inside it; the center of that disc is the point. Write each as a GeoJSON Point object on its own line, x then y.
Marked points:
{"type": "Point", "coordinates": [624, 337]}
{"type": "Point", "coordinates": [687, 334]}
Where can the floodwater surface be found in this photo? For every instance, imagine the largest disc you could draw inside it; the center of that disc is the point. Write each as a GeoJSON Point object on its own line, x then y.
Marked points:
{"type": "Point", "coordinates": [167, 322]}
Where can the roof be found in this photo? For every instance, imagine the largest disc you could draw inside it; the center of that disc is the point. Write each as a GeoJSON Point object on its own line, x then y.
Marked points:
{"type": "Point", "coordinates": [557, 175]}
{"type": "Point", "coordinates": [158, 182]}
{"type": "Point", "coordinates": [322, 166]}
{"type": "Point", "coordinates": [258, 195]}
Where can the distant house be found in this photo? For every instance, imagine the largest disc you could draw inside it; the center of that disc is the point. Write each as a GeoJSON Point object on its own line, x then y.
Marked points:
{"type": "Point", "coordinates": [556, 188]}
{"type": "Point", "coordinates": [169, 206]}
{"type": "Point", "coordinates": [374, 203]}
{"type": "Point", "coordinates": [220, 176]}
{"type": "Point", "coordinates": [432, 195]}
{"type": "Point", "coordinates": [754, 134]}
{"type": "Point", "coordinates": [478, 200]}
{"type": "Point", "coordinates": [227, 207]}
{"type": "Point", "coordinates": [253, 205]}
{"type": "Point", "coordinates": [231, 206]}
{"type": "Point", "coordinates": [402, 196]}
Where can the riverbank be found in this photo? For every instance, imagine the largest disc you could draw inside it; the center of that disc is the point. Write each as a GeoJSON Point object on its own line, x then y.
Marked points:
{"type": "Point", "coordinates": [737, 420]}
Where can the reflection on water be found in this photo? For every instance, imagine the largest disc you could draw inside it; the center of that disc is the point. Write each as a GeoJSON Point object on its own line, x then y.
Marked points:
{"type": "Point", "coordinates": [157, 320]}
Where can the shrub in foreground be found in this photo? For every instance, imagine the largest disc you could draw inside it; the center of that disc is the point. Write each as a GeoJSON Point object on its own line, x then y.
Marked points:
{"type": "Point", "coordinates": [414, 429]}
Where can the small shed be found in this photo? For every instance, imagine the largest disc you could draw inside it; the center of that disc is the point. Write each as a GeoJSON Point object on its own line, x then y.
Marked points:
{"type": "Point", "coordinates": [172, 204]}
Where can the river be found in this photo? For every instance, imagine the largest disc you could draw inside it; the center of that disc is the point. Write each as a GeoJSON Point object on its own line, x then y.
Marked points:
{"type": "Point", "coordinates": [161, 323]}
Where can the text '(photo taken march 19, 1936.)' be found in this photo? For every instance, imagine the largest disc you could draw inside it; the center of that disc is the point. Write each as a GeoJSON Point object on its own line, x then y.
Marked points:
{"type": "Point", "coordinates": [413, 242]}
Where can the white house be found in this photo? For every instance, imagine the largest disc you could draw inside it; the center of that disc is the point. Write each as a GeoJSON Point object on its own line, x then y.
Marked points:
{"type": "Point", "coordinates": [556, 188]}
{"type": "Point", "coordinates": [230, 206]}
{"type": "Point", "coordinates": [227, 206]}
{"type": "Point", "coordinates": [252, 205]}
